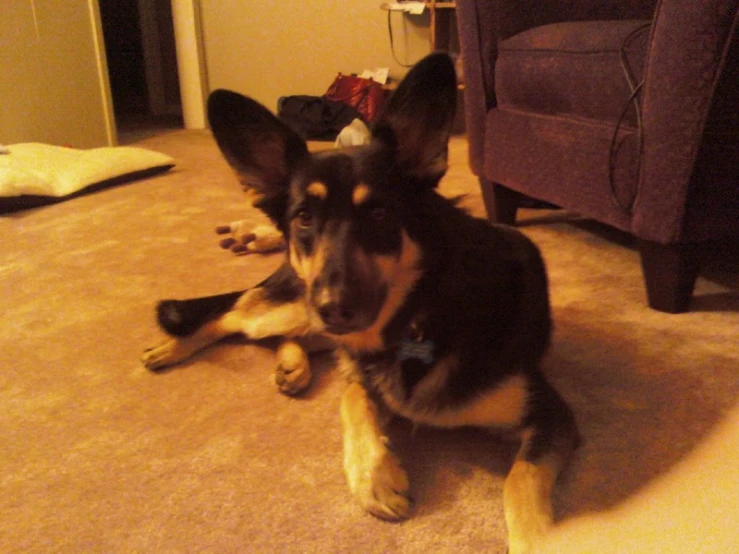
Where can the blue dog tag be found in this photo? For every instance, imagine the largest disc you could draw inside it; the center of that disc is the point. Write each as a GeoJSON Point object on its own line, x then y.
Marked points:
{"type": "Point", "coordinates": [416, 350]}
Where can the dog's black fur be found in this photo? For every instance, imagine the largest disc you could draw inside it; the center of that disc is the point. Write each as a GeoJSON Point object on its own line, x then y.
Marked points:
{"type": "Point", "coordinates": [436, 315]}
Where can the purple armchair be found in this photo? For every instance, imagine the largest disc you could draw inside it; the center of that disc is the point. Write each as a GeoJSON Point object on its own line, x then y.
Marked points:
{"type": "Point", "coordinates": [625, 111]}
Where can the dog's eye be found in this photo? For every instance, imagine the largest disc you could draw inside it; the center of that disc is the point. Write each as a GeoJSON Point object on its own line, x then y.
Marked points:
{"type": "Point", "coordinates": [304, 218]}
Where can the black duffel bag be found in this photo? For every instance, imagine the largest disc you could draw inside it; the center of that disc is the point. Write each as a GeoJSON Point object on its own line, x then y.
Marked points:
{"type": "Point", "coordinates": [315, 117]}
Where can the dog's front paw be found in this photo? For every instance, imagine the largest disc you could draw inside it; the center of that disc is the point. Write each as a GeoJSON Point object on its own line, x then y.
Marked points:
{"type": "Point", "coordinates": [162, 355]}
{"type": "Point", "coordinates": [293, 374]}
{"type": "Point", "coordinates": [381, 486]}
{"type": "Point", "coordinates": [292, 380]}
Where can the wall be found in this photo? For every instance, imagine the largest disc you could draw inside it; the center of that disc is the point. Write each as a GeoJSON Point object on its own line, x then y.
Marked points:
{"type": "Point", "coordinates": [272, 49]}
{"type": "Point", "coordinates": [52, 84]}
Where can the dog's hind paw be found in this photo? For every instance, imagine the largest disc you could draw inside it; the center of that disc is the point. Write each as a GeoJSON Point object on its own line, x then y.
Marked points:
{"type": "Point", "coordinates": [242, 240]}
{"type": "Point", "coordinates": [293, 374]}
{"type": "Point", "coordinates": [384, 490]}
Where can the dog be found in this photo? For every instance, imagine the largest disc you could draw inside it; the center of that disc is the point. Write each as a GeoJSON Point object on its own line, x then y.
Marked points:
{"type": "Point", "coordinates": [436, 316]}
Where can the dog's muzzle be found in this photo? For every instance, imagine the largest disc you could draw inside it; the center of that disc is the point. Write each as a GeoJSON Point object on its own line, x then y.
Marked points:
{"type": "Point", "coordinates": [344, 310]}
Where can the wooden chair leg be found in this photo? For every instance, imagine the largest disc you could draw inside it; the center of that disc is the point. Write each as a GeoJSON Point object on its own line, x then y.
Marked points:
{"type": "Point", "coordinates": [670, 272]}
{"type": "Point", "coordinates": [501, 203]}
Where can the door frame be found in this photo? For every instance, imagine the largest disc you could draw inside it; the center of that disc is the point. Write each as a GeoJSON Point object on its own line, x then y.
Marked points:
{"type": "Point", "coordinates": [190, 61]}
{"type": "Point", "coordinates": [190, 65]}
{"type": "Point", "coordinates": [101, 61]}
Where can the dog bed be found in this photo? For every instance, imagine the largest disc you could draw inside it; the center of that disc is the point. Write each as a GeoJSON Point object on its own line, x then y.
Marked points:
{"type": "Point", "coordinates": [35, 174]}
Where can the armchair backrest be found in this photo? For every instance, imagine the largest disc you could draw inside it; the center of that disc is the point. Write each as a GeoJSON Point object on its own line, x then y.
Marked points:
{"type": "Point", "coordinates": [543, 12]}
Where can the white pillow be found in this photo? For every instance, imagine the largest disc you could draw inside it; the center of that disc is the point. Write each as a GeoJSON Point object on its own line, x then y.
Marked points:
{"type": "Point", "coordinates": [45, 170]}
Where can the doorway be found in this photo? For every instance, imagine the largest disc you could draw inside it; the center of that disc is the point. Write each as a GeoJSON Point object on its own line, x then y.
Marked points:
{"type": "Point", "coordinates": [142, 67]}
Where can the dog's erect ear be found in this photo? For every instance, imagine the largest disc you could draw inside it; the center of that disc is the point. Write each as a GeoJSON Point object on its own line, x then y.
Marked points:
{"type": "Point", "coordinates": [262, 150]}
{"type": "Point", "coordinates": [418, 118]}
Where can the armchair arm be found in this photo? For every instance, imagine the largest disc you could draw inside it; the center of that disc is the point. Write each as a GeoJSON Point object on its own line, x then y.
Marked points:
{"type": "Point", "coordinates": [693, 48]}
{"type": "Point", "coordinates": [483, 23]}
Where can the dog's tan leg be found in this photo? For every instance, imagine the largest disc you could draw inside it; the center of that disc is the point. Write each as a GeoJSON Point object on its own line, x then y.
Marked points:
{"type": "Point", "coordinates": [293, 373]}
{"type": "Point", "coordinates": [274, 320]}
{"type": "Point", "coordinates": [254, 315]}
{"type": "Point", "coordinates": [261, 317]}
{"type": "Point", "coordinates": [375, 476]}
{"type": "Point", "coordinates": [527, 491]}
{"type": "Point", "coordinates": [527, 500]}
{"type": "Point", "coordinates": [176, 349]}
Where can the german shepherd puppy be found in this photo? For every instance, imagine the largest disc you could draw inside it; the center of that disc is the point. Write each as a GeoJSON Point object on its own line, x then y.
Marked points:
{"type": "Point", "coordinates": [437, 316]}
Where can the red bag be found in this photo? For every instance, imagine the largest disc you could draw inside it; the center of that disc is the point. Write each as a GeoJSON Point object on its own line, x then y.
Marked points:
{"type": "Point", "coordinates": [365, 95]}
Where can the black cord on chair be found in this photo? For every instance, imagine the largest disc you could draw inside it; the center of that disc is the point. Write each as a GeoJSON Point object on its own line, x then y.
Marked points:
{"type": "Point", "coordinates": [392, 40]}
{"type": "Point", "coordinates": [635, 90]}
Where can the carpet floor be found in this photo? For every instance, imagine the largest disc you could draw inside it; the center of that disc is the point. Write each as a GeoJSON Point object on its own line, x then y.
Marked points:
{"type": "Point", "coordinates": [98, 455]}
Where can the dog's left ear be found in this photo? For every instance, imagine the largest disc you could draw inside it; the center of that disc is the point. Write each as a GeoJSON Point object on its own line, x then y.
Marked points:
{"type": "Point", "coordinates": [418, 118]}
{"type": "Point", "coordinates": [262, 150]}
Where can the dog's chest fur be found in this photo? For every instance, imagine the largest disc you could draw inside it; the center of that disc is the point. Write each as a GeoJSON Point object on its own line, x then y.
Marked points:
{"type": "Point", "coordinates": [428, 400]}
{"type": "Point", "coordinates": [450, 356]}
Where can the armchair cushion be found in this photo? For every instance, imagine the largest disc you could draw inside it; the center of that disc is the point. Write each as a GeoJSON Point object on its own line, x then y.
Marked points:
{"type": "Point", "coordinates": [578, 69]}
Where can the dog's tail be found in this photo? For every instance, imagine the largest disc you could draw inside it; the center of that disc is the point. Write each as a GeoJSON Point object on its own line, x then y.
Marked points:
{"type": "Point", "coordinates": [181, 318]}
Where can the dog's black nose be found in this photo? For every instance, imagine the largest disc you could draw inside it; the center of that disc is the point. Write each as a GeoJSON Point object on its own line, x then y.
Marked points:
{"type": "Point", "coordinates": [338, 317]}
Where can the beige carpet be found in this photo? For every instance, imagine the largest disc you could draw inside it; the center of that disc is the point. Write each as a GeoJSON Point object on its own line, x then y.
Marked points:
{"type": "Point", "coordinates": [97, 455]}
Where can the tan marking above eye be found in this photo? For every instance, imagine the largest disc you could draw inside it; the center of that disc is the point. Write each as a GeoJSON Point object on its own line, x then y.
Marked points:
{"type": "Point", "coordinates": [317, 189]}
{"type": "Point", "coordinates": [361, 194]}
